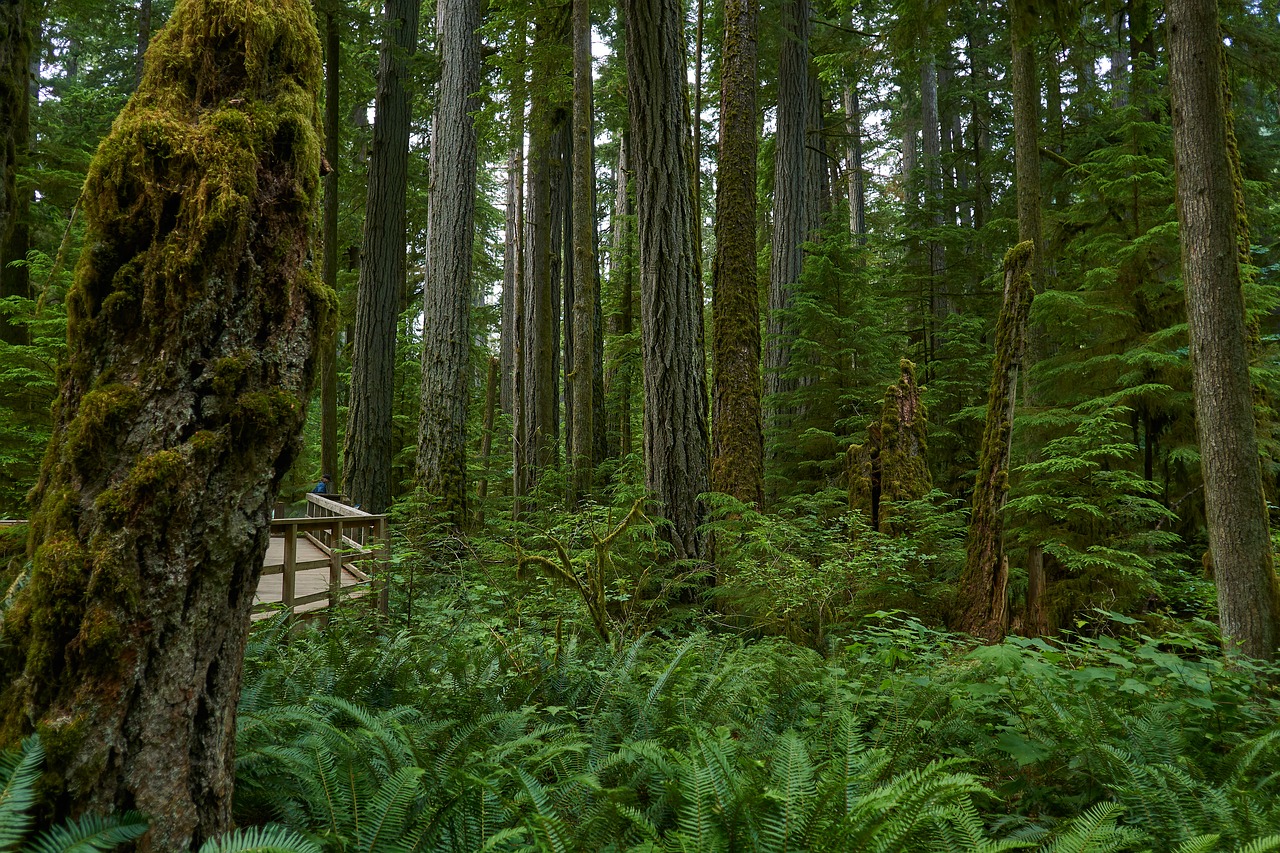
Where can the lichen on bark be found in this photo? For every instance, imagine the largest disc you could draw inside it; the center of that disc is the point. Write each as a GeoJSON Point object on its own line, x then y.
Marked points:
{"type": "Point", "coordinates": [193, 328]}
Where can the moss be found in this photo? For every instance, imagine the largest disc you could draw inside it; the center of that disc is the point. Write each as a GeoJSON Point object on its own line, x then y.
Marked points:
{"type": "Point", "coordinates": [228, 372]}
{"type": "Point", "coordinates": [103, 412]}
{"type": "Point", "coordinates": [263, 412]}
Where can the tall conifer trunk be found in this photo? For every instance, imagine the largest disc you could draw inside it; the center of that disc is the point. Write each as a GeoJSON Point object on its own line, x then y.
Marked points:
{"type": "Point", "coordinates": [193, 327]}
{"type": "Point", "coordinates": [675, 411]}
{"type": "Point", "coordinates": [1211, 221]}
{"type": "Point", "coordinates": [537, 420]}
{"type": "Point", "coordinates": [368, 453]}
{"type": "Point", "coordinates": [442, 427]}
{"type": "Point", "coordinates": [513, 244]}
{"type": "Point", "coordinates": [332, 145]}
{"type": "Point", "coordinates": [586, 298]}
{"type": "Point", "coordinates": [738, 462]}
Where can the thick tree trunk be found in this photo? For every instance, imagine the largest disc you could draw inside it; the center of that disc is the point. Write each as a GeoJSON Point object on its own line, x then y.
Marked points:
{"type": "Point", "coordinates": [193, 328]}
{"type": "Point", "coordinates": [790, 210]}
{"type": "Point", "coordinates": [891, 468]}
{"type": "Point", "coordinates": [675, 412]}
{"type": "Point", "coordinates": [1210, 216]}
{"type": "Point", "coordinates": [442, 427]}
{"type": "Point", "coordinates": [17, 59]}
{"type": "Point", "coordinates": [737, 466]}
{"type": "Point", "coordinates": [586, 298]}
{"type": "Point", "coordinates": [369, 452]}
{"type": "Point", "coordinates": [931, 145]}
{"type": "Point", "coordinates": [332, 145]}
{"type": "Point", "coordinates": [15, 51]}
{"type": "Point", "coordinates": [537, 423]}
{"type": "Point", "coordinates": [982, 610]}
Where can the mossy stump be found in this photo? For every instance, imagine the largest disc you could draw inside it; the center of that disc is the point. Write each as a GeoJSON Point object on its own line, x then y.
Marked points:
{"type": "Point", "coordinates": [983, 583]}
{"type": "Point", "coordinates": [892, 467]}
{"type": "Point", "coordinates": [193, 328]}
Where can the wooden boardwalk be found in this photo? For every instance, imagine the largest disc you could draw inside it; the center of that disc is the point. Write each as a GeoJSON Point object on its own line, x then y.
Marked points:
{"type": "Point", "coordinates": [334, 553]}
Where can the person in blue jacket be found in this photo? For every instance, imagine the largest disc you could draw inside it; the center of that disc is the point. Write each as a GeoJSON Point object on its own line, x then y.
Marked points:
{"type": "Point", "coordinates": [322, 487]}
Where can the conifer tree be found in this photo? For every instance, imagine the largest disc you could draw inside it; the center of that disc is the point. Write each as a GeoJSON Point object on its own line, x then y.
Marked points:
{"type": "Point", "coordinates": [1211, 220]}
{"type": "Point", "coordinates": [369, 452]}
{"type": "Point", "coordinates": [442, 425]}
{"type": "Point", "coordinates": [738, 460]}
{"type": "Point", "coordinates": [675, 412]}
{"type": "Point", "coordinates": [193, 330]}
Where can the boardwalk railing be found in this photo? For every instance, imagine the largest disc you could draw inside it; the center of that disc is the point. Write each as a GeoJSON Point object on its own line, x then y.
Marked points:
{"type": "Point", "coordinates": [352, 544]}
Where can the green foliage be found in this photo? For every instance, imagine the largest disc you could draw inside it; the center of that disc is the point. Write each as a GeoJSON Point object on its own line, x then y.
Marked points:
{"type": "Point", "coordinates": [479, 735]}
{"type": "Point", "coordinates": [20, 770]}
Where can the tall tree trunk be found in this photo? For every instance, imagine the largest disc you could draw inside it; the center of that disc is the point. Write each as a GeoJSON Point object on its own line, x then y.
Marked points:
{"type": "Point", "coordinates": [536, 426]}
{"type": "Point", "coordinates": [1211, 218]}
{"type": "Point", "coordinates": [790, 209]}
{"type": "Point", "coordinates": [982, 608]}
{"type": "Point", "coordinates": [144, 38]}
{"type": "Point", "coordinates": [622, 274]}
{"type": "Point", "coordinates": [18, 62]}
{"type": "Point", "coordinates": [854, 169]}
{"type": "Point", "coordinates": [513, 244]}
{"type": "Point", "coordinates": [675, 412]}
{"type": "Point", "coordinates": [442, 427]}
{"type": "Point", "coordinates": [369, 452]}
{"type": "Point", "coordinates": [15, 51]}
{"type": "Point", "coordinates": [737, 466]}
{"type": "Point", "coordinates": [931, 145]}
{"type": "Point", "coordinates": [585, 296]}
{"type": "Point", "coordinates": [193, 328]}
{"type": "Point", "coordinates": [332, 145]}
{"type": "Point", "coordinates": [1026, 132]}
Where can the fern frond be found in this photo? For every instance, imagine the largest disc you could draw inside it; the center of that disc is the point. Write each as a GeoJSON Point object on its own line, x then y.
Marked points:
{"type": "Point", "coordinates": [1095, 831]}
{"type": "Point", "coordinates": [260, 839]}
{"type": "Point", "coordinates": [89, 833]}
{"type": "Point", "coordinates": [18, 773]}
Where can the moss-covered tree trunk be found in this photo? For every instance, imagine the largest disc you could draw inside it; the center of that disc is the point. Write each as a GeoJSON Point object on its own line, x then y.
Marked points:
{"type": "Point", "coordinates": [737, 466]}
{"type": "Point", "coordinates": [676, 445]}
{"type": "Point", "coordinates": [446, 343]}
{"type": "Point", "coordinates": [15, 51]}
{"type": "Point", "coordinates": [982, 610]}
{"type": "Point", "coordinates": [1210, 217]}
{"type": "Point", "coordinates": [892, 467]}
{"type": "Point", "coordinates": [193, 327]}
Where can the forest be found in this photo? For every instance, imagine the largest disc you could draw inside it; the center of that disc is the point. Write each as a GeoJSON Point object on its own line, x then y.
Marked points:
{"type": "Point", "coordinates": [802, 425]}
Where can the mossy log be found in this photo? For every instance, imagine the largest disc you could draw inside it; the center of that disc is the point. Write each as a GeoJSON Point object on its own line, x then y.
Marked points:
{"type": "Point", "coordinates": [982, 610]}
{"type": "Point", "coordinates": [891, 468]}
{"type": "Point", "coordinates": [193, 326]}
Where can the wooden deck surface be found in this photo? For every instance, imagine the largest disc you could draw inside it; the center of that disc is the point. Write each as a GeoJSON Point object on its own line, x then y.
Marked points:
{"type": "Point", "coordinates": [311, 578]}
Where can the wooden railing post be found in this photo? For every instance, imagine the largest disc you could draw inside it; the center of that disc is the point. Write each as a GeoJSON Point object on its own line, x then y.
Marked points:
{"type": "Point", "coordinates": [290, 566]}
{"type": "Point", "coordinates": [382, 562]}
{"type": "Point", "coordinates": [335, 561]}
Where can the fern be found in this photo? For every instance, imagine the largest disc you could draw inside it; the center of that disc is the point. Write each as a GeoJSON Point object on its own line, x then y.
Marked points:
{"type": "Point", "coordinates": [270, 839]}
{"type": "Point", "coordinates": [89, 833]}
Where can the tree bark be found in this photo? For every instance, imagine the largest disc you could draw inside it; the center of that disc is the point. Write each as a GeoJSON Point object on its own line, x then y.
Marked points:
{"type": "Point", "coordinates": [144, 38]}
{"type": "Point", "coordinates": [332, 145]}
{"type": "Point", "coordinates": [790, 210]}
{"type": "Point", "coordinates": [1211, 221]}
{"type": "Point", "coordinates": [537, 421]}
{"type": "Point", "coordinates": [622, 273]}
{"type": "Point", "coordinates": [15, 50]}
{"type": "Point", "coordinates": [193, 329]}
{"type": "Point", "coordinates": [854, 171]}
{"type": "Point", "coordinates": [982, 608]}
{"type": "Point", "coordinates": [675, 412]}
{"type": "Point", "coordinates": [368, 453]}
{"type": "Point", "coordinates": [737, 466]}
{"type": "Point", "coordinates": [513, 244]}
{"type": "Point", "coordinates": [442, 427]}
{"type": "Point", "coordinates": [582, 454]}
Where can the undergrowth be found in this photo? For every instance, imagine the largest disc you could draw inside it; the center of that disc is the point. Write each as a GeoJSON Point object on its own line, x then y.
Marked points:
{"type": "Point", "coordinates": [472, 733]}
